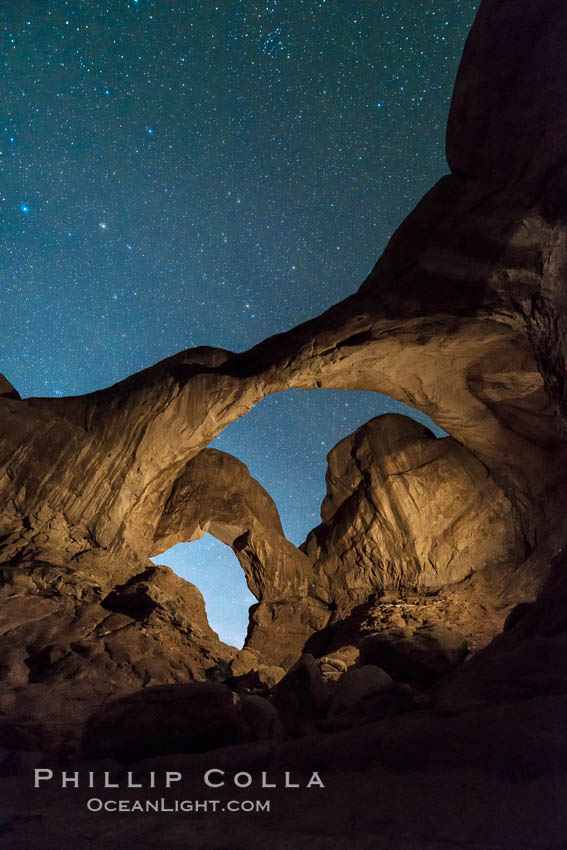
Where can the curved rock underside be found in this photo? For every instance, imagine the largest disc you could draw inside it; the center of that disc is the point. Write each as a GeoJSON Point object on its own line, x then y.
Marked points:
{"type": "Point", "coordinates": [463, 317]}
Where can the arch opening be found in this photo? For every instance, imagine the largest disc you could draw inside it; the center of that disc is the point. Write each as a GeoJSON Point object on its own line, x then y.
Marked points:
{"type": "Point", "coordinates": [284, 441]}
{"type": "Point", "coordinates": [213, 568]}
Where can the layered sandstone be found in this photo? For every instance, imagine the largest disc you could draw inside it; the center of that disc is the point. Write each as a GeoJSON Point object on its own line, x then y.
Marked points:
{"type": "Point", "coordinates": [407, 511]}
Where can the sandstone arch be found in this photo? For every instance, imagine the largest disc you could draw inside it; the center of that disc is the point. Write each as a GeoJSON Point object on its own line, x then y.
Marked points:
{"type": "Point", "coordinates": [464, 317]}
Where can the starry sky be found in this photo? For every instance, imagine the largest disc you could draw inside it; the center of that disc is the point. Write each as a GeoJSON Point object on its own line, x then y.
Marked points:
{"type": "Point", "coordinates": [181, 173]}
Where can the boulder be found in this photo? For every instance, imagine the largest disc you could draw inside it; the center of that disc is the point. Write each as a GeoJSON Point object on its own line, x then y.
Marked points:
{"type": "Point", "coordinates": [301, 697]}
{"type": "Point", "coordinates": [191, 718]}
{"type": "Point", "coordinates": [260, 680]}
{"type": "Point", "coordinates": [262, 718]}
{"type": "Point", "coordinates": [244, 661]}
{"type": "Point", "coordinates": [363, 695]}
{"type": "Point", "coordinates": [421, 656]}
{"type": "Point", "coordinates": [406, 510]}
{"type": "Point", "coordinates": [357, 685]}
{"type": "Point", "coordinates": [341, 659]}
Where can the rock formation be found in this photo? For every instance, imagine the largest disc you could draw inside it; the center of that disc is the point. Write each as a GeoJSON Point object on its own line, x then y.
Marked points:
{"type": "Point", "coordinates": [463, 317]}
{"type": "Point", "coordinates": [215, 493]}
{"type": "Point", "coordinates": [68, 646]}
{"type": "Point", "coordinates": [407, 511]}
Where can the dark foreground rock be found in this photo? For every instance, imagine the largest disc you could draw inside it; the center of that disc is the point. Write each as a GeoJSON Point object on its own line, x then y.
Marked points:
{"type": "Point", "coordinates": [166, 719]}
{"type": "Point", "coordinates": [301, 697]}
{"type": "Point", "coordinates": [421, 656]}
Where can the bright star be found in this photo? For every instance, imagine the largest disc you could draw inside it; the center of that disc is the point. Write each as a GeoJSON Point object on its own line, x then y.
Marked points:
{"type": "Point", "coordinates": [103, 225]}
{"type": "Point", "coordinates": [24, 208]}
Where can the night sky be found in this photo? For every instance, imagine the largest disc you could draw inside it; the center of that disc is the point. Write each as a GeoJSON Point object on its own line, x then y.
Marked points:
{"type": "Point", "coordinates": [184, 173]}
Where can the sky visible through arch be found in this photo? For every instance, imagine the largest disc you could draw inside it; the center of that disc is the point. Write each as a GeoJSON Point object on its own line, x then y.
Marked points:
{"type": "Point", "coordinates": [197, 173]}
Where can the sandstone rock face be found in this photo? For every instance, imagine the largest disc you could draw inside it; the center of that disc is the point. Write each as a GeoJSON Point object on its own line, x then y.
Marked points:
{"type": "Point", "coordinates": [6, 388]}
{"type": "Point", "coordinates": [407, 511]}
{"type": "Point", "coordinates": [67, 646]}
{"type": "Point", "coordinates": [528, 660]}
{"type": "Point", "coordinates": [463, 317]}
{"type": "Point", "coordinates": [216, 493]}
